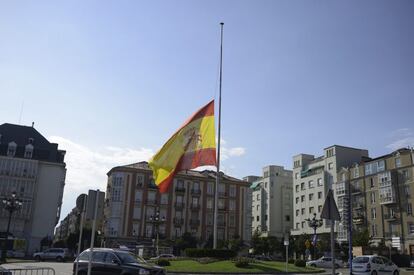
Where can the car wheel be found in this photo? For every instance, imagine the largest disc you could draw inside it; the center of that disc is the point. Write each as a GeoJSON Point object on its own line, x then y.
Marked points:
{"type": "Point", "coordinates": [313, 265]}
{"type": "Point", "coordinates": [59, 259]}
{"type": "Point", "coordinates": [374, 273]}
{"type": "Point", "coordinates": [37, 258]}
{"type": "Point", "coordinates": [395, 272]}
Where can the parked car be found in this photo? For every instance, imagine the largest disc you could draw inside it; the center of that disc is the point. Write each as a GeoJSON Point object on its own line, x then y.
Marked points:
{"type": "Point", "coordinates": [373, 265]}
{"type": "Point", "coordinates": [58, 254]}
{"type": "Point", "coordinates": [114, 261]}
{"type": "Point", "coordinates": [15, 254]}
{"type": "Point", "coordinates": [325, 262]}
{"type": "Point", "coordinates": [164, 256]}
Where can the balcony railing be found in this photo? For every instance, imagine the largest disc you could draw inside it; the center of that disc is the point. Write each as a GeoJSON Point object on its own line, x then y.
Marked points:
{"type": "Point", "coordinates": [391, 217]}
{"type": "Point", "coordinates": [151, 201]}
{"type": "Point", "coordinates": [179, 205]}
{"type": "Point", "coordinates": [180, 189]}
{"type": "Point", "coordinates": [387, 199]}
{"type": "Point", "coordinates": [195, 206]}
{"type": "Point", "coordinates": [195, 192]}
{"type": "Point", "coordinates": [194, 222]}
{"type": "Point", "coordinates": [221, 207]}
{"type": "Point", "coordinates": [222, 194]}
{"type": "Point", "coordinates": [178, 221]}
{"type": "Point", "coordinates": [360, 219]}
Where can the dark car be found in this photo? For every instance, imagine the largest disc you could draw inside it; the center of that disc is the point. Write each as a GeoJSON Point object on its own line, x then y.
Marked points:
{"type": "Point", "coordinates": [113, 261]}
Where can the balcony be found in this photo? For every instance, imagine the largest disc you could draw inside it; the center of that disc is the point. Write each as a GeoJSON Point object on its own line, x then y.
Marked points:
{"type": "Point", "coordinates": [151, 201]}
{"type": "Point", "coordinates": [179, 205]}
{"type": "Point", "coordinates": [222, 194]}
{"type": "Point", "coordinates": [195, 192]}
{"type": "Point", "coordinates": [359, 219]}
{"type": "Point", "coordinates": [390, 199]}
{"type": "Point", "coordinates": [195, 206]}
{"type": "Point", "coordinates": [391, 217]}
{"type": "Point", "coordinates": [178, 221]}
{"type": "Point", "coordinates": [180, 189]}
{"type": "Point", "coordinates": [194, 222]}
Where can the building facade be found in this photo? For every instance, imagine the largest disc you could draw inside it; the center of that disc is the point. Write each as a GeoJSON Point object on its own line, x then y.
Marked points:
{"type": "Point", "coordinates": [312, 177]}
{"type": "Point", "coordinates": [272, 212]}
{"type": "Point", "coordinates": [381, 193]}
{"type": "Point", "coordinates": [35, 169]}
{"type": "Point", "coordinates": [132, 201]}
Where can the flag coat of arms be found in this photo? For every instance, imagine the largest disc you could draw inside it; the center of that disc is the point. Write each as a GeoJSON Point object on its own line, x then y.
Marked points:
{"type": "Point", "coordinates": [193, 145]}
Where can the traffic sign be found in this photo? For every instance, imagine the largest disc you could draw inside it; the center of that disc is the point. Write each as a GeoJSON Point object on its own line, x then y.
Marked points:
{"type": "Point", "coordinates": [329, 209]}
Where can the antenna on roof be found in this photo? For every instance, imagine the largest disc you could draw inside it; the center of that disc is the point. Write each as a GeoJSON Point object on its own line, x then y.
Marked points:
{"type": "Point", "coordinates": [32, 124]}
{"type": "Point", "coordinates": [21, 112]}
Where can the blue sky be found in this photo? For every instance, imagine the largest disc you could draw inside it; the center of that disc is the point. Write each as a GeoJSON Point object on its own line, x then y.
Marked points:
{"type": "Point", "coordinates": [110, 81]}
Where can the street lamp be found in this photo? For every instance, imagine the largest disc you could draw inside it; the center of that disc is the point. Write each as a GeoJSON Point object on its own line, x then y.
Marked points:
{"type": "Point", "coordinates": [315, 224]}
{"type": "Point", "coordinates": [11, 205]}
{"type": "Point", "coordinates": [156, 221]}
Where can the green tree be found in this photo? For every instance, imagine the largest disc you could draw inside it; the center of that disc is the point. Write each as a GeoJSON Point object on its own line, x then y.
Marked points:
{"type": "Point", "coordinates": [299, 244]}
{"type": "Point", "coordinates": [361, 238]}
{"type": "Point", "coordinates": [186, 241]}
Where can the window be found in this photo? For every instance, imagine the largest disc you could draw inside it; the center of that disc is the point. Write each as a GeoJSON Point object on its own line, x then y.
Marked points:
{"type": "Point", "coordinates": [410, 228]}
{"type": "Point", "coordinates": [372, 197]}
{"type": "Point", "coordinates": [164, 198]}
{"type": "Point", "coordinates": [319, 208]}
{"type": "Point", "coordinates": [397, 162]}
{"type": "Point", "coordinates": [373, 213]}
{"type": "Point", "coordinates": [139, 181]}
{"type": "Point", "coordinates": [371, 182]}
{"type": "Point", "coordinates": [319, 182]}
{"type": "Point", "coordinates": [330, 165]}
{"type": "Point", "coordinates": [356, 172]}
{"type": "Point", "coordinates": [265, 217]}
{"type": "Point", "coordinates": [303, 211]}
{"type": "Point", "coordinates": [138, 196]}
{"type": "Point", "coordinates": [257, 218]}
{"type": "Point", "coordinates": [287, 218]}
{"type": "Point", "coordinates": [311, 185]}
{"type": "Point", "coordinates": [409, 209]}
{"type": "Point", "coordinates": [407, 191]}
{"type": "Point", "coordinates": [311, 209]}
{"type": "Point", "coordinates": [340, 189]}
{"type": "Point", "coordinates": [265, 184]}
{"type": "Point", "coordinates": [232, 191]}
{"type": "Point", "coordinates": [209, 203]}
{"type": "Point", "coordinates": [302, 186]}
{"type": "Point", "coordinates": [319, 195]}
{"type": "Point", "coordinates": [297, 225]}
{"type": "Point", "coordinates": [232, 205]}
{"type": "Point", "coordinates": [296, 175]}
{"type": "Point", "coordinates": [258, 197]}
{"type": "Point", "coordinates": [374, 230]}
{"type": "Point", "coordinates": [297, 212]}
{"type": "Point", "coordinates": [311, 196]}
{"type": "Point", "coordinates": [210, 188]}
{"type": "Point", "coordinates": [232, 220]}
{"type": "Point", "coordinates": [11, 150]}
{"type": "Point", "coordinates": [303, 224]}
{"type": "Point", "coordinates": [297, 188]}
{"type": "Point", "coordinates": [28, 153]}
{"type": "Point", "coordinates": [297, 199]}
{"type": "Point", "coordinates": [257, 207]}
{"type": "Point", "coordinates": [302, 198]}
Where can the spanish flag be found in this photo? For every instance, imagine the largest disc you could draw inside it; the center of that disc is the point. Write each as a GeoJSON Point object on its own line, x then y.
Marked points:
{"type": "Point", "coordinates": [193, 145]}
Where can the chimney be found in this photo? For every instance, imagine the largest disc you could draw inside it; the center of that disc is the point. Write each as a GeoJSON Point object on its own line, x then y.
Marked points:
{"type": "Point", "coordinates": [33, 124]}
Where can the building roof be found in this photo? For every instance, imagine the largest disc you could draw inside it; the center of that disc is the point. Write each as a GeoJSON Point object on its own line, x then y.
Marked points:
{"type": "Point", "coordinates": [20, 134]}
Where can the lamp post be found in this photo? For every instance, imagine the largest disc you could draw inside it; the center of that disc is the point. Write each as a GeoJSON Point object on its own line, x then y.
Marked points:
{"type": "Point", "coordinates": [11, 205]}
{"type": "Point", "coordinates": [156, 221]}
{"type": "Point", "coordinates": [315, 224]}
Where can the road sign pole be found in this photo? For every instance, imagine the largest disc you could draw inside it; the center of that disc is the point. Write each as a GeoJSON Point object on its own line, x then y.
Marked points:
{"type": "Point", "coordinates": [333, 246]}
{"type": "Point", "coordinates": [93, 231]}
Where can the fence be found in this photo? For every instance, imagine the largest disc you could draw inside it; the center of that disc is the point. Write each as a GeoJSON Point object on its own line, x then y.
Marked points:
{"type": "Point", "coordinates": [29, 271]}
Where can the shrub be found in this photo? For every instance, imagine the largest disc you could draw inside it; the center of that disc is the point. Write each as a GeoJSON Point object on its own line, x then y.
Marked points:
{"type": "Point", "coordinates": [300, 263]}
{"type": "Point", "coordinates": [242, 262]}
{"type": "Point", "coordinates": [211, 253]}
{"type": "Point", "coordinates": [291, 261]}
{"type": "Point", "coordinates": [163, 262]}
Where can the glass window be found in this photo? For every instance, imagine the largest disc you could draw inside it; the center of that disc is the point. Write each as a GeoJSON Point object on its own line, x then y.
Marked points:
{"type": "Point", "coordinates": [302, 186]}
{"type": "Point", "coordinates": [319, 182]}
{"type": "Point", "coordinates": [319, 195]}
{"type": "Point", "coordinates": [210, 188]}
{"type": "Point", "coordinates": [232, 205]}
{"type": "Point", "coordinates": [409, 209]}
{"type": "Point", "coordinates": [297, 199]}
{"type": "Point", "coordinates": [311, 185]}
{"type": "Point", "coordinates": [356, 172]}
{"type": "Point", "coordinates": [232, 191]}
{"type": "Point", "coordinates": [209, 203]}
{"type": "Point", "coordinates": [310, 197]}
{"type": "Point", "coordinates": [297, 188]}
{"type": "Point", "coordinates": [397, 162]}
{"type": "Point", "coordinates": [302, 198]}
{"type": "Point", "coordinates": [372, 197]}
{"type": "Point", "coordinates": [98, 257]}
{"type": "Point", "coordinates": [330, 165]}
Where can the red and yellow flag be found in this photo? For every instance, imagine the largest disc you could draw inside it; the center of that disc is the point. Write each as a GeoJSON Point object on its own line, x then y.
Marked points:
{"type": "Point", "coordinates": [193, 145]}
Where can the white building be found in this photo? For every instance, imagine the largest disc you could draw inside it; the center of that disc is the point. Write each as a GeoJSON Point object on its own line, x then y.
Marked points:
{"type": "Point", "coordinates": [312, 177]}
{"type": "Point", "coordinates": [34, 168]}
{"type": "Point", "coordinates": [272, 202]}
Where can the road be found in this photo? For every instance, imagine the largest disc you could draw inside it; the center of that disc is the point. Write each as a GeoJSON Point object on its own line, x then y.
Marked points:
{"type": "Point", "coordinates": [66, 268]}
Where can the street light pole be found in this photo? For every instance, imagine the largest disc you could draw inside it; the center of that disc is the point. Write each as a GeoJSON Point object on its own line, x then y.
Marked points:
{"type": "Point", "coordinates": [315, 224]}
{"type": "Point", "coordinates": [11, 205]}
{"type": "Point", "coordinates": [156, 219]}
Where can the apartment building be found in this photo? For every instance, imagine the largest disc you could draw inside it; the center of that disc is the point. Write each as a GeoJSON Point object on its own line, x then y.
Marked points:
{"type": "Point", "coordinates": [132, 201]}
{"type": "Point", "coordinates": [35, 169]}
{"type": "Point", "coordinates": [272, 212]}
{"type": "Point", "coordinates": [312, 177]}
{"type": "Point", "coordinates": [381, 192]}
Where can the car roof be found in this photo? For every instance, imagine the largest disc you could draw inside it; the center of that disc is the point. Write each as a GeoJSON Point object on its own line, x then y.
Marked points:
{"type": "Point", "coordinates": [101, 249]}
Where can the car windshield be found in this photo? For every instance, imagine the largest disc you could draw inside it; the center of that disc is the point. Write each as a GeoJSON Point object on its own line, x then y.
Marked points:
{"type": "Point", "coordinates": [360, 260]}
{"type": "Point", "coordinates": [129, 258]}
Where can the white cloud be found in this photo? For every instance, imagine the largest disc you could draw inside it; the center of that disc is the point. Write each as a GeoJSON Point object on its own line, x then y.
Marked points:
{"type": "Point", "coordinates": [402, 138]}
{"type": "Point", "coordinates": [87, 168]}
{"type": "Point", "coordinates": [232, 152]}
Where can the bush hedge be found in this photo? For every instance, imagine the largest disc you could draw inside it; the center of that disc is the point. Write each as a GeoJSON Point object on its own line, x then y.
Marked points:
{"type": "Point", "coordinates": [300, 263]}
{"type": "Point", "coordinates": [242, 262]}
{"type": "Point", "coordinates": [163, 262]}
{"type": "Point", "coordinates": [291, 261]}
{"type": "Point", "coordinates": [211, 253]}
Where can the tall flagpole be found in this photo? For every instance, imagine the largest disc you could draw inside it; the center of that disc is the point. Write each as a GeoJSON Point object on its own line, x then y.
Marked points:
{"type": "Point", "coordinates": [218, 143]}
